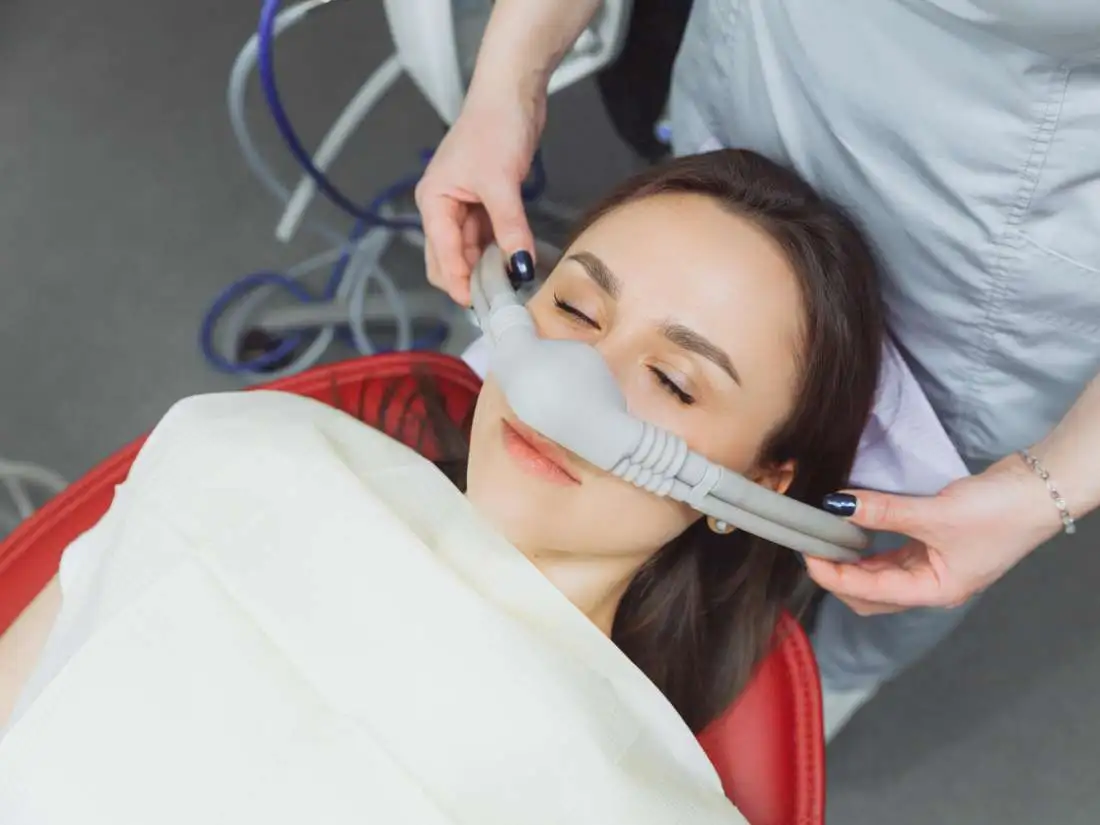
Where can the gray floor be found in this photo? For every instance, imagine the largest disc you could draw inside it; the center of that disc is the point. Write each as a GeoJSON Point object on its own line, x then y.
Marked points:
{"type": "Point", "coordinates": [124, 208]}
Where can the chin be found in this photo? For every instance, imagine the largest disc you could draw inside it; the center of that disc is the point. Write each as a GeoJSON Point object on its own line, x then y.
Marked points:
{"type": "Point", "coordinates": [526, 511]}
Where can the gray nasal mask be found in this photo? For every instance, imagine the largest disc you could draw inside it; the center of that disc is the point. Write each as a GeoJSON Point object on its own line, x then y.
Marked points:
{"type": "Point", "coordinates": [565, 391]}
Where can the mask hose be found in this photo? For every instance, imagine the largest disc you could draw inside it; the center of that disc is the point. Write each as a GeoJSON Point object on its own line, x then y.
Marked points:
{"type": "Point", "coordinates": [564, 390]}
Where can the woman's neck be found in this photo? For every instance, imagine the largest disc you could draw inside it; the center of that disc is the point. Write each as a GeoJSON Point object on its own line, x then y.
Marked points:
{"type": "Point", "coordinates": [594, 584]}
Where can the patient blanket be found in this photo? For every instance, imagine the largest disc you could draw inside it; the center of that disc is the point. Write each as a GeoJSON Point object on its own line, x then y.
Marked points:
{"type": "Point", "coordinates": [295, 619]}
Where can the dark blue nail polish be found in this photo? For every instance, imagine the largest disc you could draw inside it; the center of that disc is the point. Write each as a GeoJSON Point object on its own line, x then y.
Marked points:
{"type": "Point", "coordinates": [840, 504]}
{"type": "Point", "coordinates": [522, 268]}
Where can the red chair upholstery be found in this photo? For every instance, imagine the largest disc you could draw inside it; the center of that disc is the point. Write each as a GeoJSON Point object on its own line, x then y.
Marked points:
{"type": "Point", "coordinates": [768, 748]}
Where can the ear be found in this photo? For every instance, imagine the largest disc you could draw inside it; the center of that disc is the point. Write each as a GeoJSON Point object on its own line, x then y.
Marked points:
{"type": "Point", "coordinates": [777, 477]}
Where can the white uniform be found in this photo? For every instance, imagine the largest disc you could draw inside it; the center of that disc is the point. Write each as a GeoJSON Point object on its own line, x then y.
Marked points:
{"type": "Point", "coordinates": [965, 137]}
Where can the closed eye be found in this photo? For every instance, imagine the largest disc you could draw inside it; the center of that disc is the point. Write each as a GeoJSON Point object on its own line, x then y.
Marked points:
{"type": "Point", "coordinates": [573, 312]}
{"type": "Point", "coordinates": [667, 384]}
{"type": "Point", "coordinates": [672, 387]}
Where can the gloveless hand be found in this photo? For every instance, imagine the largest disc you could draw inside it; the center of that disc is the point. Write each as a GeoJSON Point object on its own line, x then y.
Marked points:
{"type": "Point", "coordinates": [470, 192]}
{"type": "Point", "coordinates": [961, 541]}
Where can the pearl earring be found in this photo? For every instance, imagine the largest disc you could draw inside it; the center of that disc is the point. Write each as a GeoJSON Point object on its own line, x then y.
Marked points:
{"type": "Point", "coordinates": [718, 526]}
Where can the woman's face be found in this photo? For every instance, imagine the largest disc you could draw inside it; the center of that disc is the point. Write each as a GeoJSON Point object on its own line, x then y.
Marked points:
{"type": "Point", "coordinates": [699, 316]}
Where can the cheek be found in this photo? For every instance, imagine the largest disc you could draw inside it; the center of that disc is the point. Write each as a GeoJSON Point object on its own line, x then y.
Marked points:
{"type": "Point", "coordinates": [624, 519]}
{"type": "Point", "coordinates": [604, 516]}
{"type": "Point", "coordinates": [733, 444]}
{"type": "Point", "coordinates": [726, 433]}
{"type": "Point", "coordinates": [548, 319]}
{"type": "Point", "coordinates": [487, 415]}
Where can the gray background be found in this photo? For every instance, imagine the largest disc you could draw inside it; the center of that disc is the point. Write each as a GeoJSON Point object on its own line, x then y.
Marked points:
{"type": "Point", "coordinates": [124, 208]}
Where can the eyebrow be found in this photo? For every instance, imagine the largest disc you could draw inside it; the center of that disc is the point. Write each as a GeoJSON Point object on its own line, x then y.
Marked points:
{"type": "Point", "coordinates": [679, 335]}
{"type": "Point", "coordinates": [692, 341]}
{"type": "Point", "coordinates": [599, 272]}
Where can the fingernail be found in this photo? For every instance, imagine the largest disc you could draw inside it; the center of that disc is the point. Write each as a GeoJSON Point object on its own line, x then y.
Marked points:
{"type": "Point", "coordinates": [523, 267]}
{"type": "Point", "coordinates": [840, 504]}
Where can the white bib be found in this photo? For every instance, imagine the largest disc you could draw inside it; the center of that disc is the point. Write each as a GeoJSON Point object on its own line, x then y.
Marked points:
{"type": "Point", "coordinates": [295, 619]}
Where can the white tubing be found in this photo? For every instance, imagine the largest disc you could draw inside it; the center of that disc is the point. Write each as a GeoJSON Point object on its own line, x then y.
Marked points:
{"type": "Point", "coordinates": [427, 303]}
{"type": "Point", "coordinates": [235, 101]}
{"type": "Point", "coordinates": [363, 265]}
{"type": "Point", "coordinates": [23, 504]}
{"type": "Point", "coordinates": [364, 254]}
{"type": "Point", "coordinates": [357, 311]}
{"type": "Point", "coordinates": [17, 475]}
{"type": "Point", "coordinates": [333, 143]}
{"type": "Point", "coordinates": [238, 320]}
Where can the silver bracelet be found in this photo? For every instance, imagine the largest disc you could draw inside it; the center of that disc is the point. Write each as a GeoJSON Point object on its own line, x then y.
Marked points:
{"type": "Point", "coordinates": [1068, 524]}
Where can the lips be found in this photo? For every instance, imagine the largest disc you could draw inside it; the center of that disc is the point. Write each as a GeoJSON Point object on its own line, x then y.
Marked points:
{"type": "Point", "coordinates": [549, 452]}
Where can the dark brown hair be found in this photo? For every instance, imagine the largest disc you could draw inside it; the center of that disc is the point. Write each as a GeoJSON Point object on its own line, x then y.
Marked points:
{"type": "Point", "coordinates": [701, 613]}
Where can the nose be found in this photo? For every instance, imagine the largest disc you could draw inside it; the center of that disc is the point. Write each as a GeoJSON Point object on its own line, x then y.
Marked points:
{"type": "Point", "coordinates": [590, 418]}
{"type": "Point", "coordinates": [620, 353]}
{"type": "Point", "coordinates": [617, 346]}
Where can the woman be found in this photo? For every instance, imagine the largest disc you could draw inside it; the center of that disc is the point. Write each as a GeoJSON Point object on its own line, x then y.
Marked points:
{"type": "Point", "coordinates": [278, 588]}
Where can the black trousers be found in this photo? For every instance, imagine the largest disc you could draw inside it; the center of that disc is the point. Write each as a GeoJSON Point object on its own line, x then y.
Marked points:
{"type": "Point", "coordinates": [635, 87]}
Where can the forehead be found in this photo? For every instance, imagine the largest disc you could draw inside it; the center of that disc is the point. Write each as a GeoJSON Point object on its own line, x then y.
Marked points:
{"type": "Point", "coordinates": [688, 259]}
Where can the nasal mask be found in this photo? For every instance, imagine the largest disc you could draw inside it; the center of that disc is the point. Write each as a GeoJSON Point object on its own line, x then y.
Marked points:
{"type": "Point", "coordinates": [565, 391]}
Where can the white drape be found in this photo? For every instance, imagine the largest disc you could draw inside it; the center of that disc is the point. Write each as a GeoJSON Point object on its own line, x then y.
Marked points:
{"type": "Point", "coordinates": [291, 618]}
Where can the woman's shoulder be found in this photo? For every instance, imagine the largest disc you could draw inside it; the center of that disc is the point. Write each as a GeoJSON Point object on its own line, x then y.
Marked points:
{"type": "Point", "coordinates": [236, 421]}
{"type": "Point", "coordinates": [258, 407]}
{"type": "Point", "coordinates": [241, 443]}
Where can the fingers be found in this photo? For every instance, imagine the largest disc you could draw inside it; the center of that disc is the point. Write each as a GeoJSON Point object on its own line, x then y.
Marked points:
{"type": "Point", "coordinates": [882, 511]}
{"type": "Point", "coordinates": [475, 236]}
{"type": "Point", "coordinates": [455, 234]}
{"type": "Point", "coordinates": [444, 246]}
{"type": "Point", "coordinates": [891, 581]}
{"type": "Point", "coordinates": [863, 607]}
{"type": "Point", "coordinates": [435, 275]}
{"type": "Point", "coordinates": [504, 204]}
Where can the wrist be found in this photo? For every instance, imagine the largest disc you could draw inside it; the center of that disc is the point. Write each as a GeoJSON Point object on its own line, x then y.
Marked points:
{"type": "Point", "coordinates": [512, 110]}
{"type": "Point", "coordinates": [525, 40]}
{"type": "Point", "coordinates": [510, 85]}
{"type": "Point", "coordinates": [1026, 501]}
{"type": "Point", "coordinates": [1069, 451]}
{"type": "Point", "coordinates": [1076, 484]}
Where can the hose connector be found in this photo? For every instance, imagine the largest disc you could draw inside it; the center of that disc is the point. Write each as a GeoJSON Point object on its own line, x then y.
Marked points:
{"type": "Point", "coordinates": [655, 462]}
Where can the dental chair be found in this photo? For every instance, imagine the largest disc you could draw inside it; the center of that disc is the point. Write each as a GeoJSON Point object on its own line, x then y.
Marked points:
{"type": "Point", "coordinates": [768, 748]}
